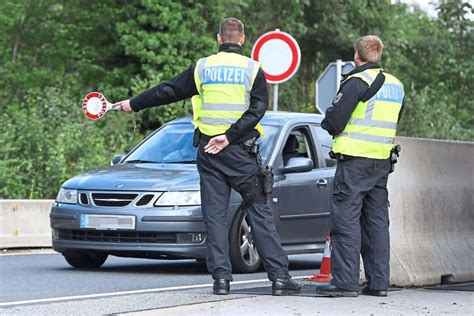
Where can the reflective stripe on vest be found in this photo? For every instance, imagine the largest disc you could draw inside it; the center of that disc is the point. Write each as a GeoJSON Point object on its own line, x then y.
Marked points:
{"type": "Point", "coordinates": [224, 82]}
{"type": "Point", "coordinates": [371, 129]}
{"type": "Point", "coordinates": [372, 123]}
{"type": "Point", "coordinates": [225, 107]}
{"type": "Point", "coordinates": [367, 77]}
{"type": "Point", "coordinates": [369, 138]}
{"type": "Point", "coordinates": [217, 121]}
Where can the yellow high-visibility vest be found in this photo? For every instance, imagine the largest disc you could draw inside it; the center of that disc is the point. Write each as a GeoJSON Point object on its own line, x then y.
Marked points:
{"type": "Point", "coordinates": [224, 81]}
{"type": "Point", "coordinates": [371, 129]}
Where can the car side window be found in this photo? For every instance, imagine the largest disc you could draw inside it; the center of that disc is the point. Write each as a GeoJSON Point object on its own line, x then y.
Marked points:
{"type": "Point", "coordinates": [298, 144]}
{"type": "Point", "coordinates": [326, 142]}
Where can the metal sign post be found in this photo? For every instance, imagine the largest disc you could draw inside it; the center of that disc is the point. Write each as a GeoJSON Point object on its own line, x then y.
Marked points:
{"type": "Point", "coordinates": [338, 74]}
{"type": "Point", "coordinates": [280, 56]}
{"type": "Point", "coordinates": [275, 97]}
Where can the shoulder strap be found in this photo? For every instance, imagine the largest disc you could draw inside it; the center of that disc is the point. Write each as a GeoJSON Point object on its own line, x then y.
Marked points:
{"type": "Point", "coordinates": [374, 87]}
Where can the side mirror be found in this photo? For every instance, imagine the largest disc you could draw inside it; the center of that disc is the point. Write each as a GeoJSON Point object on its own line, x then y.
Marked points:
{"type": "Point", "coordinates": [116, 159]}
{"type": "Point", "coordinates": [298, 164]}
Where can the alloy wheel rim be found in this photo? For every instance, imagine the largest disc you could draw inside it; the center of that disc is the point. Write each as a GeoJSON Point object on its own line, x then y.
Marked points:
{"type": "Point", "coordinates": [248, 249]}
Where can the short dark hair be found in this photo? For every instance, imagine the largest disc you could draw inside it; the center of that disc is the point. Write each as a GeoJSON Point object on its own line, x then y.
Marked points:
{"type": "Point", "coordinates": [231, 30]}
{"type": "Point", "coordinates": [370, 48]}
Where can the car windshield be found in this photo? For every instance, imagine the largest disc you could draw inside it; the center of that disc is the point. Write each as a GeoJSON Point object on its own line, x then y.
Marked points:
{"type": "Point", "coordinates": [174, 144]}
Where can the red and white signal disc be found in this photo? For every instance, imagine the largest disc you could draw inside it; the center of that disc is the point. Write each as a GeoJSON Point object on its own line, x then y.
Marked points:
{"type": "Point", "coordinates": [94, 105]}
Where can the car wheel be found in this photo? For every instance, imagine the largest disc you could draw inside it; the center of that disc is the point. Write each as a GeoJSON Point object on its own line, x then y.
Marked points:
{"type": "Point", "coordinates": [85, 260]}
{"type": "Point", "coordinates": [242, 249]}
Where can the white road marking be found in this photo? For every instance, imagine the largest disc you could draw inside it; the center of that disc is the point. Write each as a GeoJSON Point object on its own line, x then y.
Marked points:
{"type": "Point", "coordinates": [100, 295]}
{"type": "Point", "coordinates": [46, 252]}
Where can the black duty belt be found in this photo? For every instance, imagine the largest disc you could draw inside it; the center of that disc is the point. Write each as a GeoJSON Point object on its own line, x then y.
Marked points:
{"type": "Point", "coordinates": [344, 157]}
{"type": "Point", "coordinates": [341, 157]}
{"type": "Point", "coordinates": [206, 138]}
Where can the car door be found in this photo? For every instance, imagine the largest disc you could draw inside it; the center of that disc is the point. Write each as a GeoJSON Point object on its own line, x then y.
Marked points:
{"type": "Point", "coordinates": [326, 170]}
{"type": "Point", "coordinates": [301, 200]}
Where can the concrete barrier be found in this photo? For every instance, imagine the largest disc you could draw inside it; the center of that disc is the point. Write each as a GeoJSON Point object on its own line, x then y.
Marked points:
{"type": "Point", "coordinates": [25, 223]}
{"type": "Point", "coordinates": [432, 212]}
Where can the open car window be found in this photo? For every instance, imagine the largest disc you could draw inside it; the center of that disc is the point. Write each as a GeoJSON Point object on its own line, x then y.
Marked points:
{"type": "Point", "coordinates": [298, 144]}
{"type": "Point", "coordinates": [326, 142]}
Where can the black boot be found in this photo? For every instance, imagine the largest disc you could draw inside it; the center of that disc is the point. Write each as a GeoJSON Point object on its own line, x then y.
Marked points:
{"type": "Point", "coordinates": [221, 287]}
{"type": "Point", "coordinates": [367, 291]}
{"type": "Point", "coordinates": [285, 286]}
{"type": "Point", "coordinates": [333, 291]}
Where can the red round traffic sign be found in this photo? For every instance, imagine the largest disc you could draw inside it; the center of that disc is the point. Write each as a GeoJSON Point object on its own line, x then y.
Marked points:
{"type": "Point", "coordinates": [94, 105]}
{"type": "Point", "coordinates": [279, 54]}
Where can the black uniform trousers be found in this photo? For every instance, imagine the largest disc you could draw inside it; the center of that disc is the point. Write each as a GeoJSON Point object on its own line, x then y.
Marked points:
{"type": "Point", "coordinates": [234, 167]}
{"type": "Point", "coordinates": [359, 223]}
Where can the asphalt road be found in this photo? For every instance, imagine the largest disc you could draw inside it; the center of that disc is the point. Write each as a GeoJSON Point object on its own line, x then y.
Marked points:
{"type": "Point", "coordinates": [45, 283]}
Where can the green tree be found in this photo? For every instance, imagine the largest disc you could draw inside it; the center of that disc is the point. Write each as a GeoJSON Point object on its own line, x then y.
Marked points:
{"type": "Point", "coordinates": [55, 51]}
{"type": "Point", "coordinates": [161, 39]}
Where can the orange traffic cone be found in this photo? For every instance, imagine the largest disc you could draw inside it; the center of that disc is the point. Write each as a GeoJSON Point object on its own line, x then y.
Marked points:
{"type": "Point", "coordinates": [324, 274]}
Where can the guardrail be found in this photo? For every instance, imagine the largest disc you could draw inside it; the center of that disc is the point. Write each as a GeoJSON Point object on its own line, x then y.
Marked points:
{"type": "Point", "coordinates": [432, 214]}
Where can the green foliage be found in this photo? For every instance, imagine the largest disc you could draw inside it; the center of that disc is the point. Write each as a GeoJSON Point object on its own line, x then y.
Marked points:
{"type": "Point", "coordinates": [159, 39]}
{"type": "Point", "coordinates": [44, 145]}
{"type": "Point", "coordinates": [55, 51]}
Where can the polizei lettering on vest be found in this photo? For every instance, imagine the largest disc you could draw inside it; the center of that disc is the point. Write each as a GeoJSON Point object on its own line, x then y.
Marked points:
{"type": "Point", "coordinates": [223, 75]}
{"type": "Point", "coordinates": [391, 93]}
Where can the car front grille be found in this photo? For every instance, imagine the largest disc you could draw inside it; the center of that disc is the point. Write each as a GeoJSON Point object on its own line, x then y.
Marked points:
{"type": "Point", "coordinates": [145, 199]}
{"type": "Point", "coordinates": [118, 198]}
{"type": "Point", "coordinates": [113, 199]}
{"type": "Point", "coordinates": [118, 236]}
{"type": "Point", "coordinates": [84, 199]}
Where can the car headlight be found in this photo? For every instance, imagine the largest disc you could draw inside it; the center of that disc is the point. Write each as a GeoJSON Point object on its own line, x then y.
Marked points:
{"type": "Point", "coordinates": [67, 196]}
{"type": "Point", "coordinates": [180, 198]}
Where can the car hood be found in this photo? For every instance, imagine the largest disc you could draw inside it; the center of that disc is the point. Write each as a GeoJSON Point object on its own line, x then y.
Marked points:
{"type": "Point", "coordinates": [140, 177]}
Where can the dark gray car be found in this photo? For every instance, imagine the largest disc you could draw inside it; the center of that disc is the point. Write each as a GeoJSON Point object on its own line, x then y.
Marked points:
{"type": "Point", "coordinates": [147, 204]}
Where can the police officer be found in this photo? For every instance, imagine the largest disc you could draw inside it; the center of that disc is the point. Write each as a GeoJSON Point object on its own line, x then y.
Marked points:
{"type": "Point", "coordinates": [229, 97]}
{"type": "Point", "coordinates": [363, 121]}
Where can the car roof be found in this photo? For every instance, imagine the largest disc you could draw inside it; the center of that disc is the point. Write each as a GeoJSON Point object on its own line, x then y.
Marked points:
{"type": "Point", "coordinates": [274, 118]}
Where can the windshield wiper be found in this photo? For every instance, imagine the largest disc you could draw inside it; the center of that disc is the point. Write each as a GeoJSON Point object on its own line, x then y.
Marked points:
{"type": "Point", "coordinates": [139, 161]}
{"type": "Point", "coordinates": [182, 161]}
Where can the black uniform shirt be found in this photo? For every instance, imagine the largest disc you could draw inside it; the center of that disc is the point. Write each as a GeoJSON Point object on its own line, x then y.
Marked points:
{"type": "Point", "coordinates": [183, 87]}
{"type": "Point", "coordinates": [349, 94]}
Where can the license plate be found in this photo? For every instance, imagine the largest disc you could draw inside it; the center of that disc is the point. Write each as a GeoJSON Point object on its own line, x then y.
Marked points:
{"type": "Point", "coordinates": [107, 222]}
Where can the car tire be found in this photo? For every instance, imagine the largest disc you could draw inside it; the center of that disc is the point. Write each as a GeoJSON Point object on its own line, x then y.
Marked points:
{"type": "Point", "coordinates": [85, 260]}
{"type": "Point", "coordinates": [242, 249]}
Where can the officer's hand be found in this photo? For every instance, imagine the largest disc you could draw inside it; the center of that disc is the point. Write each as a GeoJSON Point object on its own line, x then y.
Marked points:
{"type": "Point", "coordinates": [123, 106]}
{"type": "Point", "coordinates": [216, 144]}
